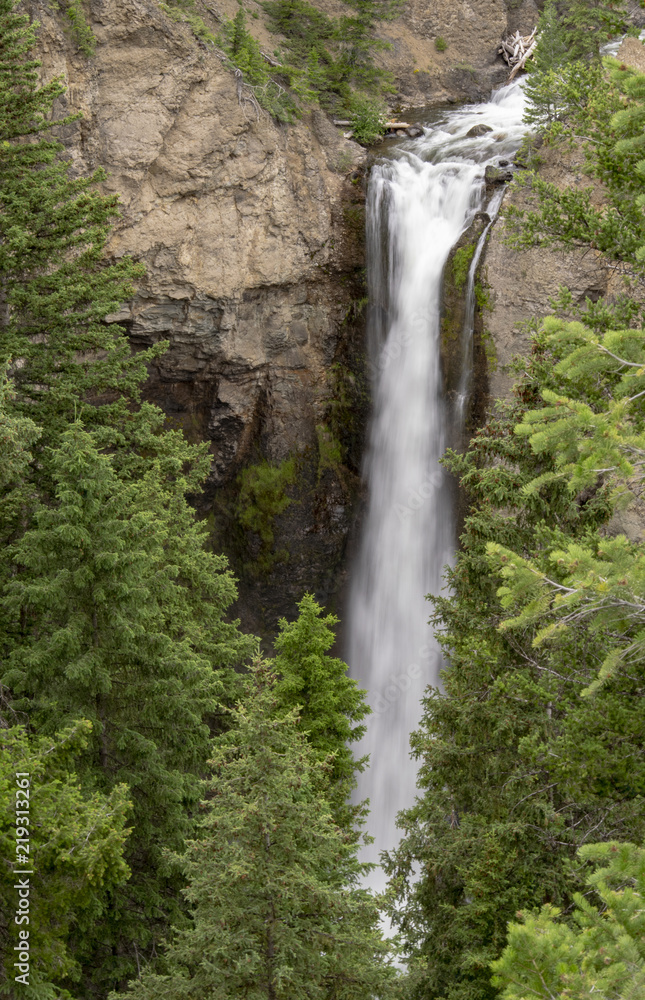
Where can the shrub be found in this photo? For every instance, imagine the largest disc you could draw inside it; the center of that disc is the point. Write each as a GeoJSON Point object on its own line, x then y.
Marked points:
{"type": "Point", "coordinates": [440, 44]}
{"type": "Point", "coordinates": [330, 452]}
{"type": "Point", "coordinates": [461, 264]}
{"type": "Point", "coordinates": [262, 498]}
{"type": "Point", "coordinates": [244, 53]}
{"type": "Point", "coordinates": [368, 118]}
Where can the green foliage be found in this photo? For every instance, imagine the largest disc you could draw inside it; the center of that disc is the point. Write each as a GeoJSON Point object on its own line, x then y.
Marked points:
{"type": "Point", "coordinates": [186, 11]}
{"type": "Point", "coordinates": [330, 452]}
{"type": "Point", "coordinates": [488, 344]}
{"type": "Point", "coordinates": [482, 298]}
{"type": "Point", "coordinates": [326, 58]}
{"type": "Point", "coordinates": [552, 51]}
{"type": "Point", "coordinates": [597, 439]}
{"type": "Point", "coordinates": [305, 27]}
{"type": "Point", "coordinates": [565, 64]}
{"type": "Point", "coordinates": [616, 313]}
{"type": "Point", "coordinates": [244, 53]}
{"type": "Point", "coordinates": [81, 31]}
{"type": "Point", "coordinates": [359, 42]}
{"type": "Point", "coordinates": [118, 614]}
{"type": "Point", "coordinates": [588, 24]}
{"type": "Point", "coordinates": [17, 436]}
{"type": "Point", "coordinates": [603, 956]}
{"type": "Point", "coordinates": [83, 34]}
{"type": "Point", "coordinates": [440, 44]}
{"type": "Point", "coordinates": [574, 98]}
{"type": "Point", "coordinates": [554, 82]}
{"type": "Point", "coordinates": [555, 92]}
{"type": "Point", "coordinates": [57, 288]}
{"type": "Point", "coordinates": [271, 879]}
{"type": "Point", "coordinates": [329, 703]}
{"type": "Point", "coordinates": [461, 261]}
{"type": "Point", "coordinates": [517, 768]}
{"type": "Point", "coordinates": [261, 499]}
{"type": "Point", "coordinates": [368, 118]}
{"type": "Point", "coordinates": [76, 854]}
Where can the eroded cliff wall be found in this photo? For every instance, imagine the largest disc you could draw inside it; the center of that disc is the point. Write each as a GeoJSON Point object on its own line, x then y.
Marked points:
{"type": "Point", "coordinates": [520, 285]}
{"type": "Point", "coordinates": [252, 237]}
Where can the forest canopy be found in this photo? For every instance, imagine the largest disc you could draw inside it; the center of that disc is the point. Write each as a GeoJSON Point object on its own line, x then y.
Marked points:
{"type": "Point", "coordinates": [185, 801]}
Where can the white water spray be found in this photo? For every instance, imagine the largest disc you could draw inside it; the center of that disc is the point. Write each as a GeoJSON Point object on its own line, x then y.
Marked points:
{"type": "Point", "coordinates": [419, 203]}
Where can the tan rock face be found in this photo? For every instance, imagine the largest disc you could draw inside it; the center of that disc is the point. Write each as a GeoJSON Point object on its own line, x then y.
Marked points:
{"type": "Point", "coordinates": [251, 234]}
{"type": "Point", "coordinates": [632, 52]}
{"type": "Point", "coordinates": [469, 67]}
{"type": "Point", "coordinates": [522, 283]}
{"type": "Point", "coordinates": [240, 223]}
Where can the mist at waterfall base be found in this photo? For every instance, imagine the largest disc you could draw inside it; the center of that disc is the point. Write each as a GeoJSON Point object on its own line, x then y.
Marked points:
{"type": "Point", "coordinates": [420, 200]}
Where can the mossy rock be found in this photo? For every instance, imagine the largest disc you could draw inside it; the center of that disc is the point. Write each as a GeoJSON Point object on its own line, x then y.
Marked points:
{"type": "Point", "coordinates": [453, 313]}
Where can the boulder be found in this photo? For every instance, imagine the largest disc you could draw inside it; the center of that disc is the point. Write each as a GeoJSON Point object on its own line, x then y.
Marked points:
{"type": "Point", "coordinates": [478, 130]}
{"type": "Point", "coordinates": [497, 175]}
{"type": "Point", "coordinates": [414, 131]}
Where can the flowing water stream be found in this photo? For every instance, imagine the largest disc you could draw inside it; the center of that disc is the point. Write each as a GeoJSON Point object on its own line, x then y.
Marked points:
{"type": "Point", "coordinates": [421, 197]}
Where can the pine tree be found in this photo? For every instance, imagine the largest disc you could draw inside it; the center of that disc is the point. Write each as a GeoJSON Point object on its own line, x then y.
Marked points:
{"type": "Point", "coordinates": [55, 286]}
{"type": "Point", "coordinates": [273, 883]}
{"type": "Point", "coordinates": [17, 437]}
{"type": "Point", "coordinates": [330, 704]}
{"type": "Point", "coordinates": [598, 108]}
{"type": "Point", "coordinates": [120, 613]}
{"type": "Point", "coordinates": [603, 956]}
{"type": "Point", "coordinates": [75, 858]}
{"type": "Point", "coordinates": [517, 768]}
{"type": "Point", "coordinates": [595, 582]}
{"type": "Point", "coordinates": [589, 24]}
{"type": "Point", "coordinates": [360, 41]}
{"type": "Point", "coordinates": [555, 83]}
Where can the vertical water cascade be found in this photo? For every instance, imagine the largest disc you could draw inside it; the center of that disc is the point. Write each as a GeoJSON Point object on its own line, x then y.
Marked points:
{"type": "Point", "coordinates": [467, 360]}
{"type": "Point", "coordinates": [420, 200]}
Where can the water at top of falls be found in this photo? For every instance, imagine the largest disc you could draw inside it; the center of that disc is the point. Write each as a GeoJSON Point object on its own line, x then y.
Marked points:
{"type": "Point", "coordinates": [420, 199]}
{"type": "Point", "coordinates": [611, 48]}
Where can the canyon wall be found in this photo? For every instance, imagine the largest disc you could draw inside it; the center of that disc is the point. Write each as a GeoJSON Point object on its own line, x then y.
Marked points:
{"type": "Point", "coordinates": [468, 68]}
{"type": "Point", "coordinates": [252, 236]}
{"type": "Point", "coordinates": [520, 285]}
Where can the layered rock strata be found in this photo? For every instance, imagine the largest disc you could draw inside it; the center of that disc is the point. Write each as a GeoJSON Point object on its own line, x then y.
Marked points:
{"type": "Point", "coordinates": [252, 238]}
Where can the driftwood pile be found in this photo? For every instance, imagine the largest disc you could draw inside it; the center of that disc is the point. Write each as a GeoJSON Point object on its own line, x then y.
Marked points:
{"type": "Point", "coordinates": [516, 50]}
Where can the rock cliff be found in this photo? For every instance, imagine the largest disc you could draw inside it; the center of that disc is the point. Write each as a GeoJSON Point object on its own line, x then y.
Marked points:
{"type": "Point", "coordinates": [520, 285]}
{"type": "Point", "coordinates": [252, 236]}
{"type": "Point", "coordinates": [468, 68]}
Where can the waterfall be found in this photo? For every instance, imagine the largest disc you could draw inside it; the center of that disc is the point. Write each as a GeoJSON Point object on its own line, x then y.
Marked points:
{"type": "Point", "coordinates": [465, 381]}
{"type": "Point", "coordinates": [420, 200]}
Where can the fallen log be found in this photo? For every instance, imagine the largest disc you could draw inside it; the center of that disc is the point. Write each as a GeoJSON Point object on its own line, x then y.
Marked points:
{"type": "Point", "coordinates": [516, 49]}
{"type": "Point", "coordinates": [271, 61]}
{"type": "Point", "coordinates": [522, 63]}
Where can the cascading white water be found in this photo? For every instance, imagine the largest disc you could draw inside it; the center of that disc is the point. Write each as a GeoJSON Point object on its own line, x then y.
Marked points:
{"type": "Point", "coordinates": [420, 201]}
{"type": "Point", "coordinates": [465, 381]}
